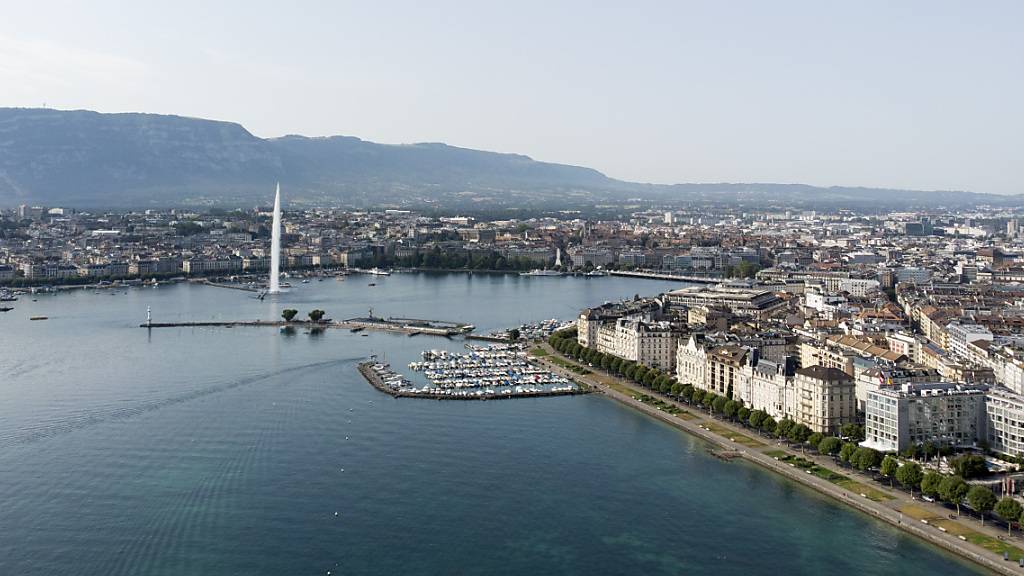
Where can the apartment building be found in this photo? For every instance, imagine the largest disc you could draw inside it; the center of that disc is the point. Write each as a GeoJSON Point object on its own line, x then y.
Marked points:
{"type": "Point", "coordinates": [943, 413]}
{"type": "Point", "coordinates": [825, 399]}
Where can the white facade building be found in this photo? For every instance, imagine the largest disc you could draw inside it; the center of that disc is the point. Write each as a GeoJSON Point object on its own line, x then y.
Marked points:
{"type": "Point", "coordinates": [944, 414]}
{"type": "Point", "coordinates": [960, 335]}
{"type": "Point", "coordinates": [1004, 411]}
{"type": "Point", "coordinates": [640, 340]}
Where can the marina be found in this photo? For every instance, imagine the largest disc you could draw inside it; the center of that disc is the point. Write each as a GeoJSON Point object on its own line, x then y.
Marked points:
{"type": "Point", "coordinates": [539, 330]}
{"type": "Point", "coordinates": [483, 373]}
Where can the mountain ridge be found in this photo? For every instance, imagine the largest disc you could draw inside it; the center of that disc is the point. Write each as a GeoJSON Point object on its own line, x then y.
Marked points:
{"type": "Point", "coordinates": [85, 158]}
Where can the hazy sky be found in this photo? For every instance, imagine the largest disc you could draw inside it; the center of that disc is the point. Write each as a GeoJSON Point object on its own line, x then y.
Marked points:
{"type": "Point", "coordinates": [905, 94]}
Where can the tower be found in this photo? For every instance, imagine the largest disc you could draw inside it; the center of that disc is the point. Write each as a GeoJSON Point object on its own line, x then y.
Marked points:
{"type": "Point", "coordinates": [275, 246]}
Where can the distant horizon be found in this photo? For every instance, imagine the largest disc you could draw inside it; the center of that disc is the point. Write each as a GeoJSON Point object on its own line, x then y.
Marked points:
{"type": "Point", "coordinates": [516, 153]}
{"type": "Point", "coordinates": [916, 95]}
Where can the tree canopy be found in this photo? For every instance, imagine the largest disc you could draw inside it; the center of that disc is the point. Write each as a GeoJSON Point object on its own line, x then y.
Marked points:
{"type": "Point", "coordinates": [953, 489]}
{"type": "Point", "coordinates": [982, 500]}
{"type": "Point", "coordinates": [1010, 510]}
{"type": "Point", "coordinates": [909, 475]}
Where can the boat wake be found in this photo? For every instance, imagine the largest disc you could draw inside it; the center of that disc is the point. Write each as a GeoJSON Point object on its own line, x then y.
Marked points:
{"type": "Point", "coordinates": [82, 420]}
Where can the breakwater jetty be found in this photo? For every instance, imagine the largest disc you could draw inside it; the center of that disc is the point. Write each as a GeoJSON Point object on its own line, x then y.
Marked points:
{"type": "Point", "coordinates": [663, 276]}
{"type": "Point", "coordinates": [409, 326]}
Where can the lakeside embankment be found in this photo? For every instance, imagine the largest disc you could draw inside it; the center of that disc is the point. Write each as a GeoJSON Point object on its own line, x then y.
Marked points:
{"type": "Point", "coordinates": [950, 535]}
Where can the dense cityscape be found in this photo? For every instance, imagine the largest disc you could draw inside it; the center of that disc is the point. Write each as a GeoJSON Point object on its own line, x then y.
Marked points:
{"type": "Point", "coordinates": [511, 289]}
{"type": "Point", "coordinates": [828, 320]}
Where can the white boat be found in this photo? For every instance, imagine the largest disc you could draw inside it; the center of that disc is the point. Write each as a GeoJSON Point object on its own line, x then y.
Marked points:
{"type": "Point", "coordinates": [378, 272]}
{"type": "Point", "coordinates": [544, 272]}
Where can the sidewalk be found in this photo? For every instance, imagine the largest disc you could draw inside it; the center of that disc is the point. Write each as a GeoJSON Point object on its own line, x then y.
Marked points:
{"type": "Point", "coordinates": [964, 536]}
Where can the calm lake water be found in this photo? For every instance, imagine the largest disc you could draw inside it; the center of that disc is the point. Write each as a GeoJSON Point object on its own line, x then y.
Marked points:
{"type": "Point", "coordinates": [245, 451]}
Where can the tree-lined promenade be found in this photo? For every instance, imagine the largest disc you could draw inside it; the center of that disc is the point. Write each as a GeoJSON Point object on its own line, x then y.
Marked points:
{"type": "Point", "coordinates": [886, 486]}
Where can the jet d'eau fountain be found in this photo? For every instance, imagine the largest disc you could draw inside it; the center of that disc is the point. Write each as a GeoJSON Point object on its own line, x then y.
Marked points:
{"type": "Point", "coordinates": [275, 246]}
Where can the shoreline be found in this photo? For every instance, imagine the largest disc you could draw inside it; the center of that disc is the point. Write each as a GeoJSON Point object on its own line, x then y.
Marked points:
{"type": "Point", "coordinates": [693, 426]}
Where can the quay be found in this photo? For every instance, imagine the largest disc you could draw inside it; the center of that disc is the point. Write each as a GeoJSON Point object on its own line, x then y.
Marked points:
{"type": "Point", "coordinates": [486, 338]}
{"type": "Point", "coordinates": [241, 287]}
{"type": "Point", "coordinates": [378, 324]}
{"type": "Point", "coordinates": [662, 276]}
{"type": "Point", "coordinates": [728, 439]}
{"type": "Point", "coordinates": [411, 326]}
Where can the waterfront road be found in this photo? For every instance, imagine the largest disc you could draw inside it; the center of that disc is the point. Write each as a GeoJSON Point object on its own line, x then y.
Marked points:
{"type": "Point", "coordinates": [889, 510]}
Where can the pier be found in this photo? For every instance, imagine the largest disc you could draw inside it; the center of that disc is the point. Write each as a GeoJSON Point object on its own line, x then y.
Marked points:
{"type": "Point", "coordinates": [400, 326]}
{"type": "Point", "coordinates": [241, 287]}
{"type": "Point", "coordinates": [663, 276]}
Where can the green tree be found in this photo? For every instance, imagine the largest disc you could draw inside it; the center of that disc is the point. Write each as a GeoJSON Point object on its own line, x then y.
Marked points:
{"type": "Point", "coordinates": [889, 468]}
{"type": "Point", "coordinates": [288, 314]}
{"type": "Point", "coordinates": [783, 427]}
{"type": "Point", "coordinates": [628, 365]}
{"type": "Point", "coordinates": [852, 432]}
{"type": "Point", "coordinates": [688, 390]}
{"type": "Point", "coordinates": [847, 451]}
{"type": "Point", "coordinates": [675, 389]}
{"type": "Point", "coordinates": [698, 396]}
{"type": "Point", "coordinates": [768, 425]}
{"type": "Point", "coordinates": [743, 414]}
{"type": "Point", "coordinates": [815, 439]}
{"type": "Point", "coordinates": [606, 362]}
{"type": "Point", "coordinates": [866, 458]}
{"type": "Point", "coordinates": [616, 365]}
{"type": "Point", "coordinates": [730, 408]}
{"type": "Point", "coordinates": [640, 374]}
{"type": "Point", "coordinates": [719, 404]}
{"type": "Point", "coordinates": [930, 483]}
{"type": "Point", "coordinates": [970, 466]}
{"type": "Point", "coordinates": [708, 399]}
{"type": "Point", "coordinates": [909, 476]}
{"type": "Point", "coordinates": [1010, 510]}
{"type": "Point", "coordinates": [513, 334]}
{"type": "Point", "coordinates": [756, 418]}
{"type": "Point", "coordinates": [799, 433]}
{"type": "Point", "coordinates": [650, 378]}
{"type": "Point", "coordinates": [953, 489]}
{"type": "Point", "coordinates": [830, 445]}
{"type": "Point", "coordinates": [316, 315]}
{"type": "Point", "coordinates": [982, 500]}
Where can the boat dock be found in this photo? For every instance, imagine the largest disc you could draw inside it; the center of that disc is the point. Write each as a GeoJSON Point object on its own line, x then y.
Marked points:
{"type": "Point", "coordinates": [662, 276]}
{"type": "Point", "coordinates": [410, 326]}
{"type": "Point", "coordinates": [492, 372]}
{"type": "Point", "coordinates": [242, 287]}
{"type": "Point", "coordinates": [381, 377]}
